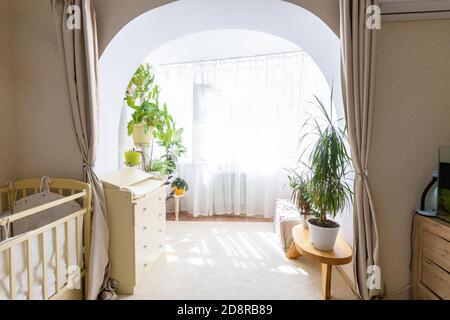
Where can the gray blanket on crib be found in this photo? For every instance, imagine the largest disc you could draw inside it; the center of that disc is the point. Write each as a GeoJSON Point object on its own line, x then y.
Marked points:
{"type": "Point", "coordinates": [43, 218]}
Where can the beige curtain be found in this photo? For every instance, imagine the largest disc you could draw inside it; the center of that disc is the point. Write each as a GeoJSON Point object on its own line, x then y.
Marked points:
{"type": "Point", "coordinates": [79, 44]}
{"type": "Point", "coordinates": [358, 69]}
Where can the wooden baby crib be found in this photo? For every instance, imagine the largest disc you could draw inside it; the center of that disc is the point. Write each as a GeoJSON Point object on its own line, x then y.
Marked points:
{"type": "Point", "coordinates": [26, 268]}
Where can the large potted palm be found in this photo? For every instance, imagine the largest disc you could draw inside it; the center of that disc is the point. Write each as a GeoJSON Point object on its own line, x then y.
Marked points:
{"type": "Point", "coordinates": [329, 164]}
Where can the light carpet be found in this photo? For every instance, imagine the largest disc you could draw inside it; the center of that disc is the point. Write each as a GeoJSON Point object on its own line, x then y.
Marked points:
{"type": "Point", "coordinates": [232, 261]}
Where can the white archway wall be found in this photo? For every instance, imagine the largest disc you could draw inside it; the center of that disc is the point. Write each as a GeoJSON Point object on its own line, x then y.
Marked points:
{"type": "Point", "coordinates": [149, 31]}
{"type": "Point", "coordinates": [156, 27]}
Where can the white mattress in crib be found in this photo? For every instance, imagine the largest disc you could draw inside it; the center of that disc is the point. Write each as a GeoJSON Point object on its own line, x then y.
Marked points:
{"type": "Point", "coordinates": [21, 274]}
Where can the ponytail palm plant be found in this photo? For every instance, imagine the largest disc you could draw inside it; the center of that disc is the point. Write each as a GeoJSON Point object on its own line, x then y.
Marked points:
{"type": "Point", "coordinates": [329, 163]}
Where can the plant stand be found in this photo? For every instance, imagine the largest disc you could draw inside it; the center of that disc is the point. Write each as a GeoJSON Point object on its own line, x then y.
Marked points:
{"type": "Point", "coordinates": [341, 255]}
{"type": "Point", "coordinates": [177, 206]}
{"type": "Point", "coordinates": [144, 149]}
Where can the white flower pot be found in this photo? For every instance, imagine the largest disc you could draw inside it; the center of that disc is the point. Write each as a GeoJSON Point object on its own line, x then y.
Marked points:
{"type": "Point", "coordinates": [140, 137]}
{"type": "Point", "coordinates": [323, 238]}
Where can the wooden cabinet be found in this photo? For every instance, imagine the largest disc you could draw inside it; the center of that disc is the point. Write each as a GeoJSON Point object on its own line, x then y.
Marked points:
{"type": "Point", "coordinates": [137, 221]}
{"type": "Point", "coordinates": [431, 259]}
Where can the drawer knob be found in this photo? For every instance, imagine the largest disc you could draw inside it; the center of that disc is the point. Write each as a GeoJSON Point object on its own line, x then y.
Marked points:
{"type": "Point", "coordinates": [160, 199]}
{"type": "Point", "coordinates": [145, 247]}
{"type": "Point", "coordinates": [145, 265]}
{"type": "Point", "coordinates": [145, 228]}
{"type": "Point", "coordinates": [160, 230]}
{"type": "Point", "coordinates": [144, 210]}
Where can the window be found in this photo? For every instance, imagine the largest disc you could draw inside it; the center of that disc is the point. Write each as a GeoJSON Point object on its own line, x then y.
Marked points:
{"type": "Point", "coordinates": [242, 120]}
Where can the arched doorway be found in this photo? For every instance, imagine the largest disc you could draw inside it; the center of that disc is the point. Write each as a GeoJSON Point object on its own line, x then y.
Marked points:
{"type": "Point", "coordinates": [157, 27]}
{"type": "Point", "coordinates": [149, 31]}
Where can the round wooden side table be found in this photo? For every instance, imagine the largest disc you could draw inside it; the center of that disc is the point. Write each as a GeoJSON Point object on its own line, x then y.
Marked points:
{"type": "Point", "coordinates": [302, 246]}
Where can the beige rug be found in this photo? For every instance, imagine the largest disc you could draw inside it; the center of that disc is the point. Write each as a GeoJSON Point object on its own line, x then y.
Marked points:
{"type": "Point", "coordinates": [229, 261]}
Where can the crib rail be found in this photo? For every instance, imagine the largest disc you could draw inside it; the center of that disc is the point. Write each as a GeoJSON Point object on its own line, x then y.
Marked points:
{"type": "Point", "coordinates": [39, 233]}
{"type": "Point", "coordinates": [30, 212]}
{"type": "Point", "coordinates": [77, 192]}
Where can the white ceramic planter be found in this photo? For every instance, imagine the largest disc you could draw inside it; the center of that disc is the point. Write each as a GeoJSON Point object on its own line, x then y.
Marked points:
{"type": "Point", "coordinates": [323, 238]}
{"type": "Point", "coordinates": [140, 137]}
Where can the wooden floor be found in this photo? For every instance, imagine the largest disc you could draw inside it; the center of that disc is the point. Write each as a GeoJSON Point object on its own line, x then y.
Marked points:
{"type": "Point", "coordinates": [185, 216]}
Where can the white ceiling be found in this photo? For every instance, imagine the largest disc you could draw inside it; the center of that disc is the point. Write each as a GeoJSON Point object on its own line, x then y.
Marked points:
{"type": "Point", "coordinates": [219, 44]}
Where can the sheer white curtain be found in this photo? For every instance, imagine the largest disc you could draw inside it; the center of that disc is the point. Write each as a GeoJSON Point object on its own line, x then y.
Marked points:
{"type": "Point", "coordinates": [242, 120]}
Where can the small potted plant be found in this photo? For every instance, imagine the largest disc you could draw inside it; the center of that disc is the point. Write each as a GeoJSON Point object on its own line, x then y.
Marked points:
{"type": "Point", "coordinates": [143, 97]}
{"type": "Point", "coordinates": [300, 195]}
{"type": "Point", "coordinates": [329, 164]}
{"type": "Point", "coordinates": [180, 186]}
{"type": "Point", "coordinates": [132, 158]}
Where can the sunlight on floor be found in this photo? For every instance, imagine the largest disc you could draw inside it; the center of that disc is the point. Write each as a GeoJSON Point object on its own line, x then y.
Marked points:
{"type": "Point", "coordinates": [207, 260]}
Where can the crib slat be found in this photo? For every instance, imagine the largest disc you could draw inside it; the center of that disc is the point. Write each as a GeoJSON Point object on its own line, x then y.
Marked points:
{"type": "Point", "coordinates": [61, 192]}
{"type": "Point", "coordinates": [67, 246]}
{"type": "Point", "coordinates": [78, 240]}
{"type": "Point", "coordinates": [12, 275]}
{"type": "Point", "coordinates": [44, 269]}
{"type": "Point", "coordinates": [56, 244]}
{"type": "Point", "coordinates": [13, 199]}
{"type": "Point", "coordinates": [1, 202]}
{"type": "Point", "coordinates": [24, 193]}
{"type": "Point", "coordinates": [29, 271]}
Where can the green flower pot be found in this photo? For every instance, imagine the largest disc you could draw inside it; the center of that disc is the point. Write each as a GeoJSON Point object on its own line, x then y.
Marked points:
{"type": "Point", "coordinates": [133, 158]}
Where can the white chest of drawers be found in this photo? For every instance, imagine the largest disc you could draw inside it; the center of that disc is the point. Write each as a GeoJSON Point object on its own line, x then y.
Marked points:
{"type": "Point", "coordinates": [137, 222]}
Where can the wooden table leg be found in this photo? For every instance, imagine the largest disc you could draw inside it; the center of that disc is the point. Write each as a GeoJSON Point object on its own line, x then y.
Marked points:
{"type": "Point", "coordinates": [293, 253]}
{"type": "Point", "coordinates": [326, 281]}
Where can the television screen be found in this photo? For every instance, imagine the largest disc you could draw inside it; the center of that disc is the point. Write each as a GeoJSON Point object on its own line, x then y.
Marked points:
{"type": "Point", "coordinates": [444, 184]}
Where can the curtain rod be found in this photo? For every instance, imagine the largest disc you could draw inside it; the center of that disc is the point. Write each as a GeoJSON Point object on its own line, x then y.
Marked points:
{"type": "Point", "coordinates": [232, 58]}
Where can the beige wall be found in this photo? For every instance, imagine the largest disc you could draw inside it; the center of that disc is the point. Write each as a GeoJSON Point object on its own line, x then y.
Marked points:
{"type": "Point", "coordinates": [412, 119]}
{"type": "Point", "coordinates": [113, 15]}
{"type": "Point", "coordinates": [7, 107]}
{"type": "Point", "coordinates": [46, 143]}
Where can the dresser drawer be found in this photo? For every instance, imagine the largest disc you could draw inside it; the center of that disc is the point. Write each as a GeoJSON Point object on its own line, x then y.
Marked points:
{"type": "Point", "coordinates": [143, 258]}
{"type": "Point", "coordinates": [149, 211]}
{"type": "Point", "coordinates": [147, 254]}
{"type": "Point", "coordinates": [141, 233]}
{"type": "Point", "coordinates": [142, 271]}
{"type": "Point", "coordinates": [423, 293]}
{"type": "Point", "coordinates": [436, 279]}
{"type": "Point", "coordinates": [436, 249]}
{"type": "Point", "coordinates": [158, 226]}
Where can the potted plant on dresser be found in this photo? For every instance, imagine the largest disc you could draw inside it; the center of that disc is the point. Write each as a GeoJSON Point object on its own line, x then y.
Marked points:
{"type": "Point", "coordinates": [133, 158]}
{"type": "Point", "coordinates": [329, 164]}
{"type": "Point", "coordinates": [143, 97]}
